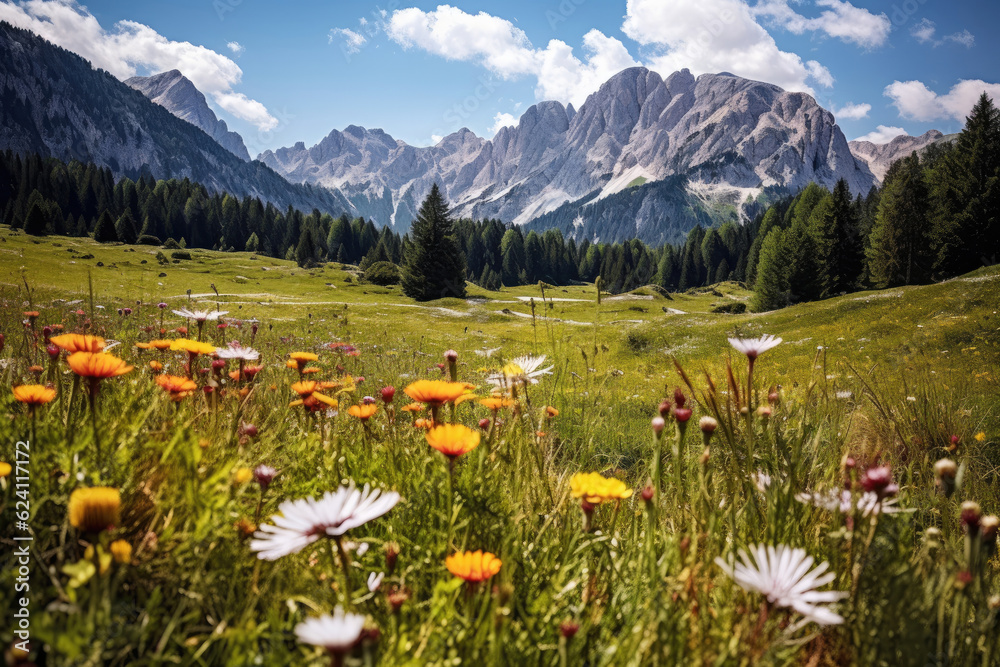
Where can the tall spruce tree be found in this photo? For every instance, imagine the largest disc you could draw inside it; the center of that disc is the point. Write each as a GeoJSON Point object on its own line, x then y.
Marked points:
{"type": "Point", "coordinates": [104, 231]}
{"type": "Point", "coordinates": [772, 285]}
{"type": "Point", "coordinates": [899, 251]}
{"type": "Point", "coordinates": [434, 266]}
{"type": "Point", "coordinates": [965, 186]}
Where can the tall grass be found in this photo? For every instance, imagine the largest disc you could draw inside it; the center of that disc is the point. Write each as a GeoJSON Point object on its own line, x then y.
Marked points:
{"type": "Point", "coordinates": [636, 583]}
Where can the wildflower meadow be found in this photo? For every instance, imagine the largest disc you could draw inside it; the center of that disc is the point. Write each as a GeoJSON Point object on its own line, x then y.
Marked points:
{"type": "Point", "coordinates": [207, 480]}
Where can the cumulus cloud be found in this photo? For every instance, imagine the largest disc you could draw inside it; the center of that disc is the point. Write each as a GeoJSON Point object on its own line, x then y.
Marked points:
{"type": "Point", "coordinates": [502, 120]}
{"type": "Point", "coordinates": [352, 41]}
{"type": "Point", "coordinates": [505, 50]}
{"type": "Point", "coordinates": [715, 36]}
{"type": "Point", "coordinates": [842, 20]}
{"type": "Point", "coordinates": [915, 100]}
{"type": "Point", "coordinates": [852, 111]}
{"type": "Point", "coordinates": [130, 46]}
{"type": "Point", "coordinates": [236, 48]}
{"type": "Point", "coordinates": [882, 134]}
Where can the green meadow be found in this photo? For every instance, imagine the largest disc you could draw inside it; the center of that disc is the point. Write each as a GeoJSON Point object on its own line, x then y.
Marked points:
{"type": "Point", "coordinates": [896, 379]}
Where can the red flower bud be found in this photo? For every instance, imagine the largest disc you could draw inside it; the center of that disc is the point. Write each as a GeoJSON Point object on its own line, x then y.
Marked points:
{"type": "Point", "coordinates": [682, 414]}
{"type": "Point", "coordinates": [388, 393]}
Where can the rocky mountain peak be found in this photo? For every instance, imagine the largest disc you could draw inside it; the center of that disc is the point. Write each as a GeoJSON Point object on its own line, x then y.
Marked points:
{"type": "Point", "coordinates": [180, 97]}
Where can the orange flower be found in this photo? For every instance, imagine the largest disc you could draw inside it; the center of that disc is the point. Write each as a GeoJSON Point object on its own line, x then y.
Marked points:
{"type": "Point", "coordinates": [291, 364]}
{"type": "Point", "coordinates": [144, 346]}
{"type": "Point", "coordinates": [34, 394]}
{"type": "Point", "coordinates": [551, 411]}
{"type": "Point", "coordinates": [161, 345]}
{"type": "Point", "coordinates": [420, 422]}
{"type": "Point", "coordinates": [468, 396]}
{"type": "Point", "coordinates": [412, 407]}
{"type": "Point", "coordinates": [494, 403]}
{"type": "Point", "coordinates": [179, 388]}
{"type": "Point", "coordinates": [435, 393]}
{"type": "Point", "coordinates": [473, 566]}
{"type": "Point", "coordinates": [307, 390]}
{"type": "Point", "coordinates": [78, 343]}
{"type": "Point", "coordinates": [364, 412]}
{"type": "Point", "coordinates": [155, 366]}
{"type": "Point", "coordinates": [304, 388]}
{"type": "Point", "coordinates": [310, 371]}
{"type": "Point", "coordinates": [97, 365]}
{"type": "Point", "coordinates": [453, 440]}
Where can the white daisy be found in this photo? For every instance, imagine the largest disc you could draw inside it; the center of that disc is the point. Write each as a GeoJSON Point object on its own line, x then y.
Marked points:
{"type": "Point", "coordinates": [761, 480]}
{"type": "Point", "coordinates": [304, 521]}
{"type": "Point", "coordinates": [754, 347]}
{"type": "Point", "coordinates": [840, 501]}
{"type": "Point", "coordinates": [782, 574]}
{"type": "Point", "coordinates": [374, 581]}
{"type": "Point", "coordinates": [337, 633]}
{"type": "Point", "coordinates": [200, 316]}
{"type": "Point", "coordinates": [237, 351]}
{"type": "Point", "coordinates": [520, 371]}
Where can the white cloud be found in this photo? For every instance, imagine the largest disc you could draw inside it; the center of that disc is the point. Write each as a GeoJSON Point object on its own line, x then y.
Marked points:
{"type": "Point", "coordinates": [915, 100]}
{"type": "Point", "coordinates": [502, 120]}
{"type": "Point", "coordinates": [882, 135]}
{"type": "Point", "coordinates": [852, 111]}
{"type": "Point", "coordinates": [841, 19]}
{"type": "Point", "coordinates": [715, 36]}
{"type": "Point", "coordinates": [129, 46]}
{"type": "Point", "coordinates": [236, 48]}
{"type": "Point", "coordinates": [353, 41]}
{"type": "Point", "coordinates": [965, 38]}
{"type": "Point", "coordinates": [925, 30]}
{"type": "Point", "coordinates": [436, 139]}
{"type": "Point", "coordinates": [505, 49]}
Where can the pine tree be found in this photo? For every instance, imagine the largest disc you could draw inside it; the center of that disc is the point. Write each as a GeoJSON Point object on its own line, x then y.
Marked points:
{"type": "Point", "coordinates": [965, 186]}
{"type": "Point", "coordinates": [104, 231]}
{"type": "Point", "coordinates": [434, 266]}
{"type": "Point", "coordinates": [125, 228]}
{"type": "Point", "coordinates": [899, 251]}
{"type": "Point", "coordinates": [37, 221]}
{"type": "Point", "coordinates": [822, 227]}
{"type": "Point", "coordinates": [772, 287]}
{"type": "Point", "coordinates": [848, 252]}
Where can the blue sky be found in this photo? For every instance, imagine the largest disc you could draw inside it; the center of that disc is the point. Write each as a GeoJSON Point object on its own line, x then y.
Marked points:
{"type": "Point", "coordinates": [279, 73]}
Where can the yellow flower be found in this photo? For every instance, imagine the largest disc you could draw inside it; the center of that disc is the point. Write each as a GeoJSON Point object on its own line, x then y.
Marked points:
{"type": "Point", "coordinates": [5, 469]}
{"type": "Point", "coordinates": [78, 343]}
{"type": "Point", "coordinates": [363, 412]}
{"type": "Point", "coordinates": [453, 440]}
{"type": "Point", "coordinates": [595, 489]}
{"type": "Point", "coordinates": [981, 436]}
{"type": "Point", "coordinates": [192, 347]}
{"type": "Point", "coordinates": [34, 394]}
{"type": "Point", "coordinates": [300, 359]}
{"type": "Point", "coordinates": [473, 566]}
{"type": "Point", "coordinates": [241, 476]}
{"type": "Point", "coordinates": [435, 392]}
{"type": "Point", "coordinates": [412, 407]}
{"type": "Point", "coordinates": [94, 509]}
{"type": "Point", "coordinates": [121, 551]}
{"type": "Point", "coordinates": [97, 365]}
{"type": "Point", "coordinates": [307, 389]}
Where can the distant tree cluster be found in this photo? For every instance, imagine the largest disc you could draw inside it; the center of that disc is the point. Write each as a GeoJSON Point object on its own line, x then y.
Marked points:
{"type": "Point", "coordinates": [936, 216]}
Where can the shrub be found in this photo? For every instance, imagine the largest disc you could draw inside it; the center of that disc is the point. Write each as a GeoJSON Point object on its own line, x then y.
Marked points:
{"type": "Point", "coordinates": [171, 244]}
{"type": "Point", "coordinates": [180, 254]}
{"type": "Point", "coordinates": [734, 308]}
{"type": "Point", "coordinates": [382, 273]}
{"type": "Point", "coordinates": [148, 239]}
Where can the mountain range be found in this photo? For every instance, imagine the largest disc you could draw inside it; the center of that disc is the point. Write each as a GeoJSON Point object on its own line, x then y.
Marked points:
{"type": "Point", "coordinates": [643, 156]}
